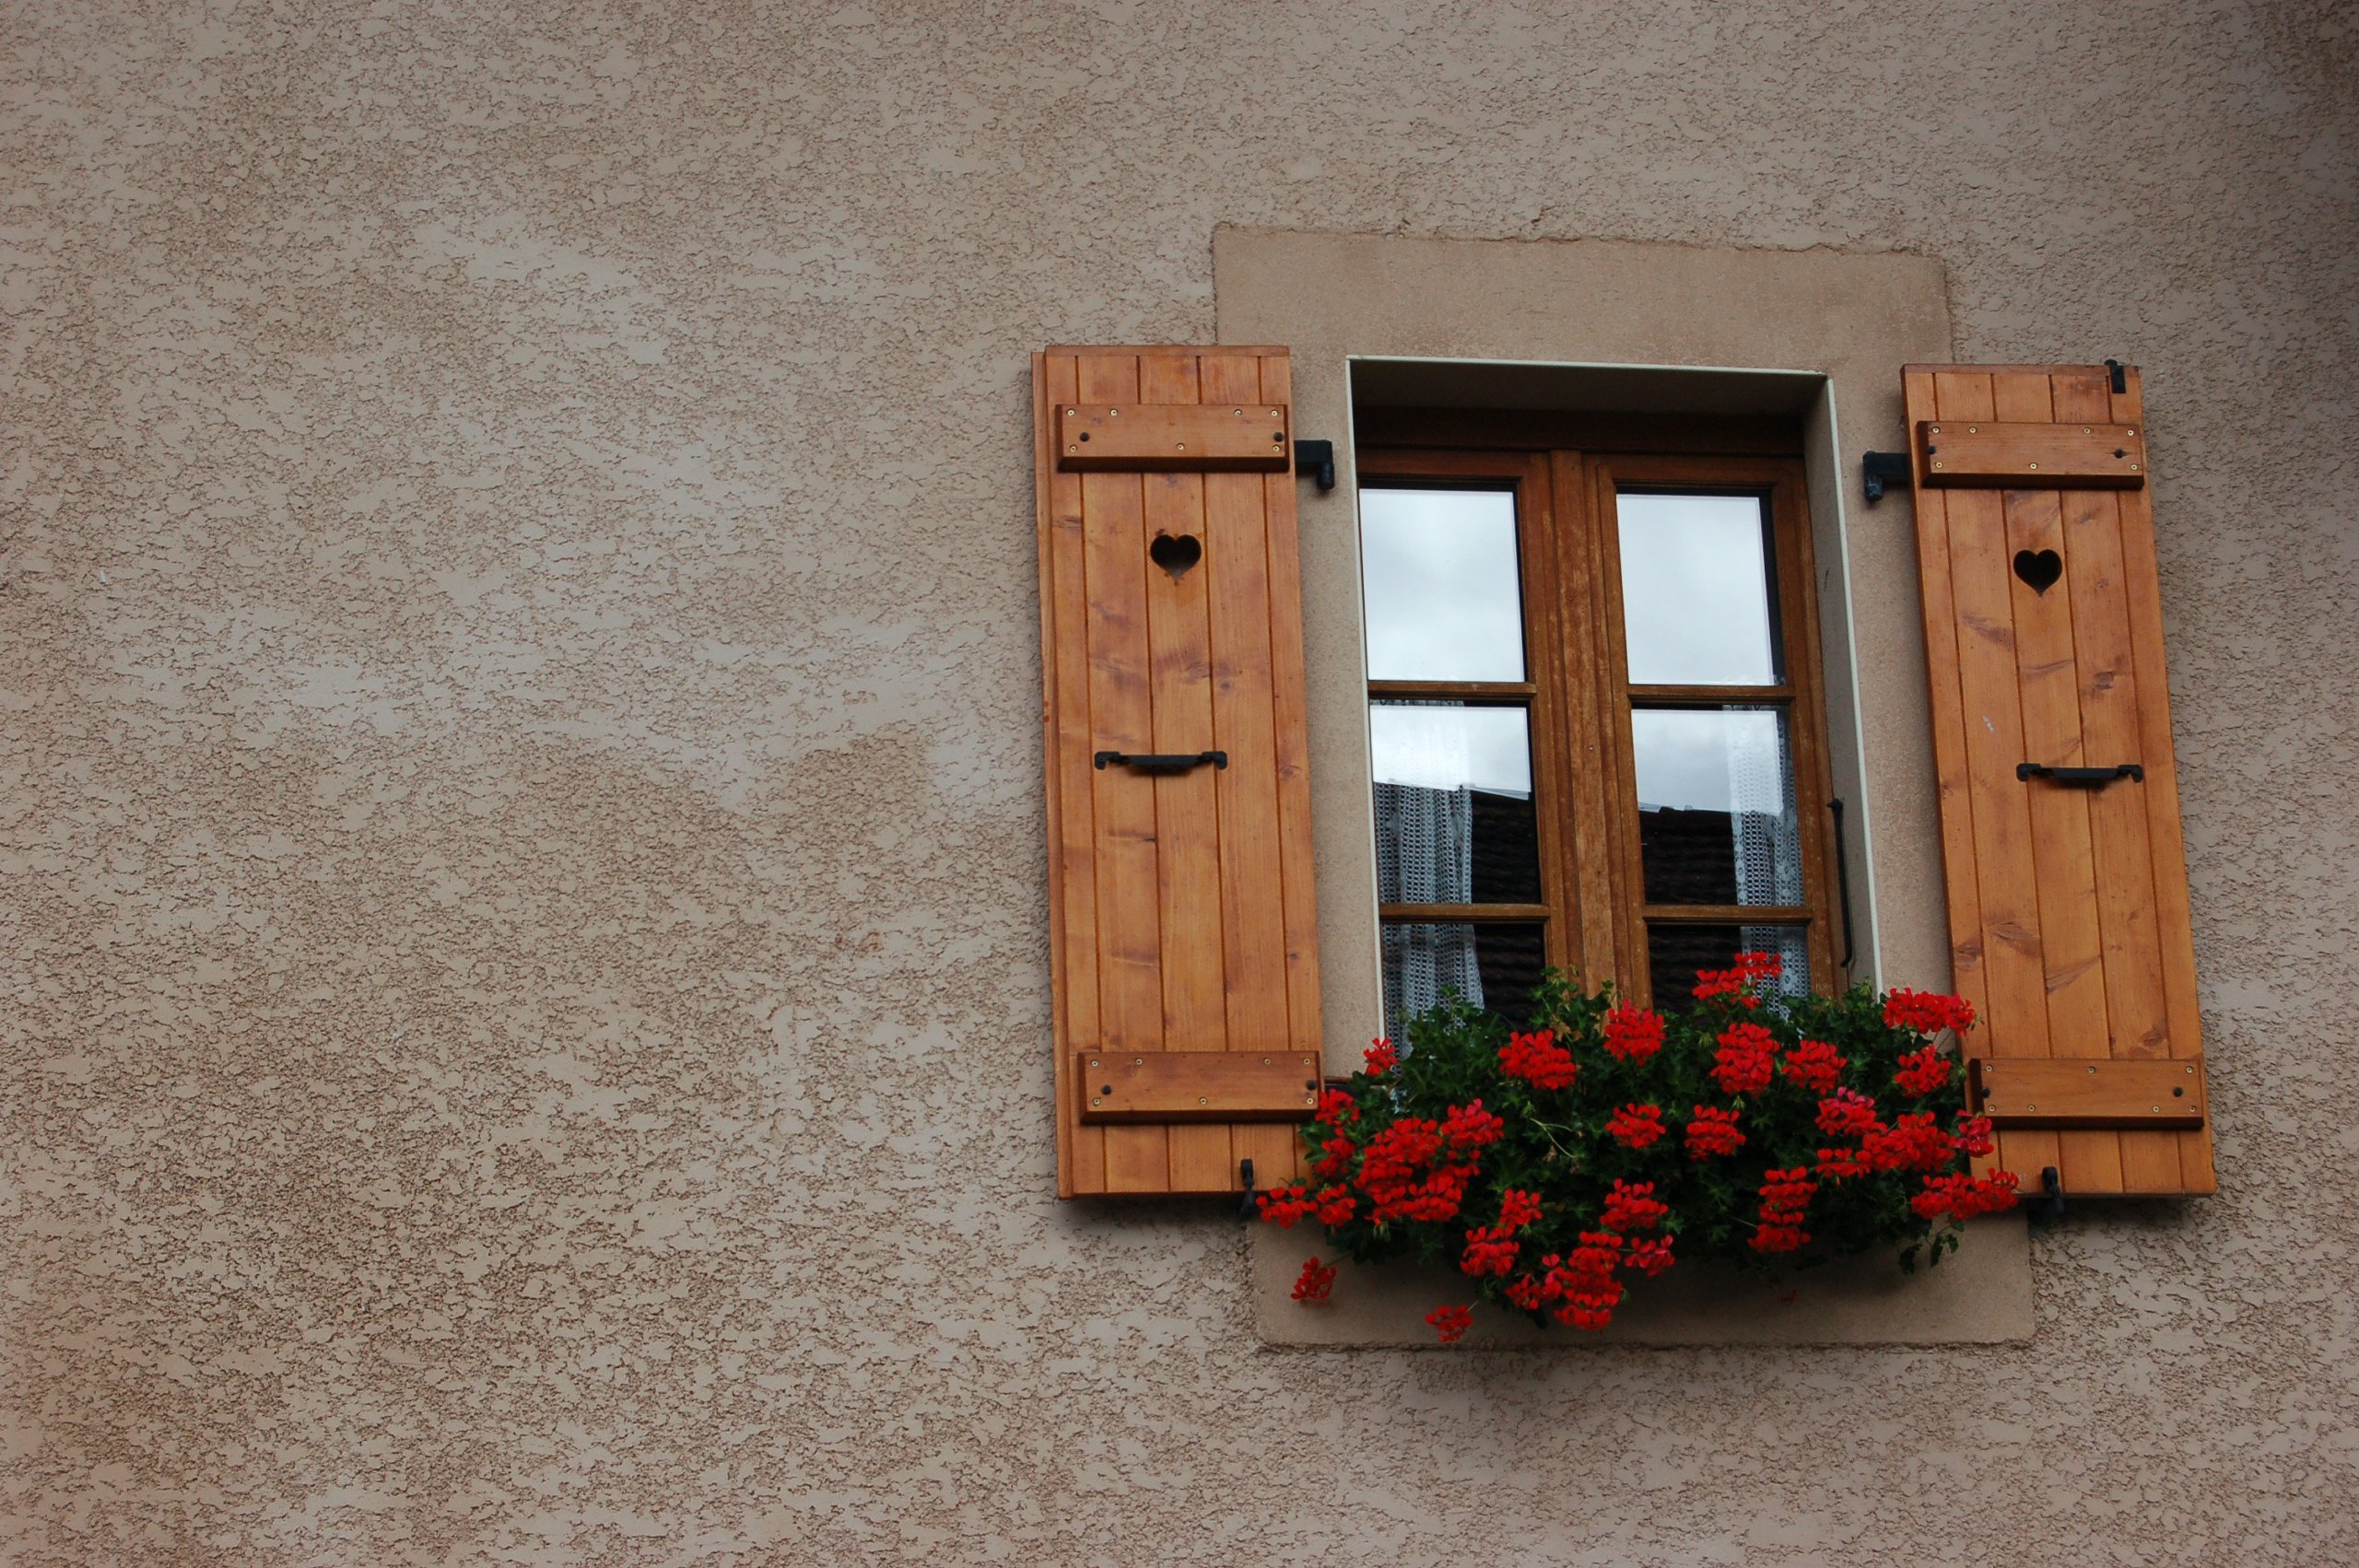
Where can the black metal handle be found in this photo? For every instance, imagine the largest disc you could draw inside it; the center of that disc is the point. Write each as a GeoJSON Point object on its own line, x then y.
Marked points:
{"type": "Point", "coordinates": [1162, 762]}
{"type": "Point", "coordinates": [2081, 778]}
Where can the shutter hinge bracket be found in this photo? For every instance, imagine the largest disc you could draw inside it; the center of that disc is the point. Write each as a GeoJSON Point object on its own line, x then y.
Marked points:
{"type": "Point", "coordinates": [2049, 1202]}
{"type": "Point", "coordinates": [1880, 469]}
{"type": "Point", "coordinates": [1245, 1211]}
{"type": "Point", "coordinates": [1318, 459]}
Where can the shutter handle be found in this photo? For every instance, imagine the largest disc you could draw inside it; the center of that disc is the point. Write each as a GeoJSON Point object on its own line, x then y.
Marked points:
{"type": "Point", "coordinates": [1162, 762]}
{"type": "Point", "coordinates": [2081, 778]}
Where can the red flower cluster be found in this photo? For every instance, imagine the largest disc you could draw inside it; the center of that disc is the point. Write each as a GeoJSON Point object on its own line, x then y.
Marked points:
{"type": "Point", "coordinates": [1928, 1012]}
{"type": "Point", "coordinates": [1539, 1060]}
{"type": "Point", "coordinates": [1736, 982]}
{"type": "Point", "coordinates": [1318, 1280]}
{"type": "Point", "coordinates": [1282, 1206]}
{"type": "Point", "coordinates": [1785, 1201]}
{"type": "Point", "coordinates": [1847, 1113]}
{"type": "Point", "coordinates": [1634, 1126]}
{"type": "Point", "coordinates": [1584, 1283]}
{"type": "Point", "coordinates": [1492, 1249]}
{"type": "Point", "coordinates": [1922, 1072]}
{"type": "Point", "coordinates": [1633, 1206]}
{"type": "Point", "coordinates": [1417, 1169]}
{"type": "Point", "coordinates": [1450, 1323]}
{"type": "Point", "coordinates": [1747, 1057]}
{"type": "Point", "coordinates": [1974, 1134]}
{"type": "Point", "coordinates": [1815, 1066]}
{"type": "Point", "coordinates": [1713, 1131]}
{"type": "Point", "coordinates": [1649, 1256]}
{"type": "Point", "coordinates": [1335, 1109]}
{"type": "Point", "coordinates": [1964, 1197]}
{"type": "Point", "coordinates": [1912, 1143]}
{"type": "Point", "coordinates": [1334, 1157]}
{"type": "Point", "coordinates": [1632, 1034]}
{"type": "Point", "coordinates": [1381, 1058]}
{"type": "Point", "coordinates": [1840, 1164]}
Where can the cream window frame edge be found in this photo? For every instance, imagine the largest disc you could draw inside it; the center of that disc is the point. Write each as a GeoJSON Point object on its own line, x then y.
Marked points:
{"type": "Point", "coordinates": [1850, 319]}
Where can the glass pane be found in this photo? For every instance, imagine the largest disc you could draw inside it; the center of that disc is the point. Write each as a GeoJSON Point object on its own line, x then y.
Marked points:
{"type": "Point", "coordinates": [1715, 806]}
{"type": "Point", "coordinates": [1676, 954]}
{"type": "Point", "coordinates": [1443, 602]}
{"type": "Point", "coordinates": [1454, 818]}
{"type": "Point", "coordinates": [1491, 966]}
{"type": "Point", "coordinates": [1696, 603]}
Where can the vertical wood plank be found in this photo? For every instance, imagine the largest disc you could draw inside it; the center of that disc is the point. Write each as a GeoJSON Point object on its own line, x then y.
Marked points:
{"type": "Point", "coordinates": [1991, 707]}
{"type": "Point", "coordinates": [2137, 1023]}
{"type": "Point", "coordinates": [2064, 871]}
{"type": "Point", "coordinates": [2174, 916]}
{"type": "Point", "coordinates": [1588, 794]}
{"type": "Point", "coordinates": [1122, 719]}
{"type": "Point", "coordinates": [1293, 737]}
{"type": "Point", "coordinates": [1073, 905]}
{"type": "Point", "coordinates": [1252, 926]}
{"type": "Point", "coordinates": [1187, 821]}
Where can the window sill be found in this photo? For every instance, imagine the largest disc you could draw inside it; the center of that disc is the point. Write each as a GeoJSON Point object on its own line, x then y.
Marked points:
{"type": "Point", "coordinates": [1980, 1296]}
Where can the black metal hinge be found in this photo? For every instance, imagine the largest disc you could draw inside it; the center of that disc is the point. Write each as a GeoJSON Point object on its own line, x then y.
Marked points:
{"type": "Point", "coordinates": [1318, 459]}
{"type": "Point", "coordinates": [1880, 469]}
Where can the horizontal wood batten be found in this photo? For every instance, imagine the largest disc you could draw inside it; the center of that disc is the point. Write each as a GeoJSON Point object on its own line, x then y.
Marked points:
{"type": "Point", "coordinates": [1463, 914]}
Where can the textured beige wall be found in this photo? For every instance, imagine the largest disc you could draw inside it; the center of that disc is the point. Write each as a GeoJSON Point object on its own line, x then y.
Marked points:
{"type": "Point", "coordinates": [526, 1035]}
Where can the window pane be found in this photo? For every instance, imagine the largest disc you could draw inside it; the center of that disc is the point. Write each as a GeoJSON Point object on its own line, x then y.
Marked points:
{"type": "Point", "coordinates": [1492, 966]}
{"type": "Point", "coordinates": [1676, 954]}
{"type": "Point", "coordinates": [1715, 806]}
{"type": "Point", "coordinates": [1454, 818]}
{"type": "Point", "coordinates": [1443, 602]}
{"type": "Point", "coordinates": [1696, 605]}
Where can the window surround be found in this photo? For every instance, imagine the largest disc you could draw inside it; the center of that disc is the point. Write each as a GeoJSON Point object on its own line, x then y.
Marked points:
{"type": "Point", "coordinates": [1612, 325]}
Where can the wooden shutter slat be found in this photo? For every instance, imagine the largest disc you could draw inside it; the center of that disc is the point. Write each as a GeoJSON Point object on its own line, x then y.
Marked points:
{"type": "Point", "coordinates": [1197, 882]}
{"type": "Point", "coordinates": [1187, 820]}
{"type": "Point", "coordinates": [2068, 914]}
{"type": "Point", "coordinates": [1073, 900]}
{"type": "Point", "coordinates": [2063, 869]}
{"type": "Point", "coordinates": [2174, 918]}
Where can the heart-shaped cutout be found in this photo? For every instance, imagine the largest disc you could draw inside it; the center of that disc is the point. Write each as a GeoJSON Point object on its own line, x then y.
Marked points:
{"type": "Point", "coordinates": [1175, 553]}
{"type": "Point", "coordinates": [2040, 569]}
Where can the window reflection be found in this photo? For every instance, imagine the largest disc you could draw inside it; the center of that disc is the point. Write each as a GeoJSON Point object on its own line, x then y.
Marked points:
{"type": "Point", "coordinates": [1454, 816]}
{"type": "Point", "coordinates": [1487, 965]}
{"type": "Point", "coordinates": [1695, 600]}
{"type": "Point", "coordinates": [1716, 823]}
{"type": "Point", "coordinates": [1442, 589]}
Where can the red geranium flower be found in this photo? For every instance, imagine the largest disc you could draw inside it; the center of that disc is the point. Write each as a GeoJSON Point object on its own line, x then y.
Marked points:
{"type": "Point", "coordinates": [1539, 1060]}
{"type": "Point", "coordinates": [1928, 1012]}
{"type": "Point", "coordinates": [1747, 1057]}
{"type": "Point", "coordinates": [1713, 1131]}
{"type": "Point", "coordinates": [1450, 1322]}
{"type": "Point", "coordinates": [1634, 1126]}
{"type": "Point", "coordinates": [1318, 1280]}
{"type": "Point", "coordinates": [1814, 1065]}
{"type": "Point", "coordinates": [1381, 1058]}
{"type": "Point", "coordinates": [1632, 1034]}
{"type": "Point", "coordinates": [1633, 1206]}
{"type": "Point", "coordinates": [1922, 1072]}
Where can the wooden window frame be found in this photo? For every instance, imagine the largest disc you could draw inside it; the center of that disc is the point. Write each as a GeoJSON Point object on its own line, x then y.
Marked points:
{"type": "Point", "coordinates": [1584, 766]}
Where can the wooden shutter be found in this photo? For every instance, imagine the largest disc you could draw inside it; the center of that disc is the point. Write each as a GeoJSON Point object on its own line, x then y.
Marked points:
{"type": "Point", "coordinates": [2067, 877]}
{"type": "Point", "coordinates": [1185, 972]}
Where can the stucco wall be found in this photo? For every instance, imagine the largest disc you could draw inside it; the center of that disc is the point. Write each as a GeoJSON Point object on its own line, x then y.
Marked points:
{"type": "Point", "coordinates": [526, 1025]}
